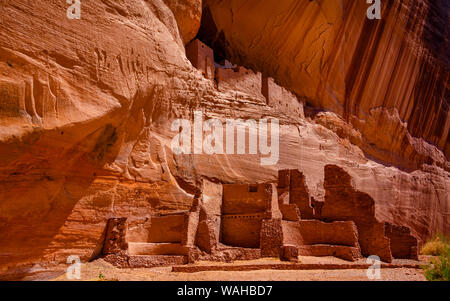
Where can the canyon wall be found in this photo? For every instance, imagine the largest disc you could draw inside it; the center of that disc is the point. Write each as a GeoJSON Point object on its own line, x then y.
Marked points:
{"type": "Point", "coordinates": [388, 78]}
{"type": "Point", "coordinates": [86, 108]}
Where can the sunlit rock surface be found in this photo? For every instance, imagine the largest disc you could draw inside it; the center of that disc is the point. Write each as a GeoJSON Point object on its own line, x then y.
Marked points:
{"type": "Point", "coordinates": [388, 77]}
{"type": "Point", "coordinates": [86, 108]}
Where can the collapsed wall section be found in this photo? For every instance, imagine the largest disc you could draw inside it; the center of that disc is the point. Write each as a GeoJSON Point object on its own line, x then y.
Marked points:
{"type": "Point", "coordinates": [292, 186]}
{"type": "Point", "coordinates": [344, 203]}
{"type": "Point", "coordinates": [403, 244]}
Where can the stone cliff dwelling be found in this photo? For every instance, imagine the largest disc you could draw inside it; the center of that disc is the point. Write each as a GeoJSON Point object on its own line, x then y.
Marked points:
{"type": "Point", "coordinates": [249, 221]}
{"type": "Point", "coordinates": [229, 77]}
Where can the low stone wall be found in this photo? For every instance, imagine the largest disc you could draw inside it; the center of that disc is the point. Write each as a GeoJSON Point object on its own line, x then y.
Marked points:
{"type": "Point", "coordinates": [336, 233]}
{"type": "Point", "coordinates": [145, 261]}
{"type": "Point", "coordinates": [286, 266]}
{"type": "Point", "coordinates": [343, 252]}
{"type": "Point", "coordinates": [316, 238]}
{"type": "Point", "coordinates": [136, 248]}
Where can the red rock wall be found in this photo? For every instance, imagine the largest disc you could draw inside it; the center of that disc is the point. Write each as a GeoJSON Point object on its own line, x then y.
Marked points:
{"type": "Point", "coordinates": [86, 111]}
{"type": "Point", "coordinates": [187, 14]}
{"type": "Point", "coordinates": [383, 76]}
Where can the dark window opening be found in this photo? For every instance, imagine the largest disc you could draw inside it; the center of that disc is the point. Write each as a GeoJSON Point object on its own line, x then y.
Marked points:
{"type": "Point", "coordinates": [253, 188]}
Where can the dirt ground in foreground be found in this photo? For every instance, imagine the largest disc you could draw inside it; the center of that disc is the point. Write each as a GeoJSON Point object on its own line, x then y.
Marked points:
{"type": "Point", "coordinates": [92, 270]}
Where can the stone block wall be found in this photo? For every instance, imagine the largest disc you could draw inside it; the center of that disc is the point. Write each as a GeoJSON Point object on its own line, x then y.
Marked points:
{"type": "Point", "coordinates": [293, 182]}
{"type": "Point", "coordinates": [242, 230]}
{"type": "Point", "coordinates": [271, 240]}
{"type": "Point", "coordinates": [201, 57]}
{"type": "Point", "coordinates": [336, 233]}
{"type": "Point", "coordinates": [291, 233]}
{"type": "Point", "coordinates": [242, 80]}
{"type": "Point", "coordinates": [403, 243]}
{"type": "Point", "coordinates": [344, 203]}
{"type": "Point", "coordinates": [245, 209]}
{"type": "Point", "coordinates": [248, 221]}
{"type": "Point", "coordinates": [245, 198]}
{"type": "Point", "coordinates": [281, 99]}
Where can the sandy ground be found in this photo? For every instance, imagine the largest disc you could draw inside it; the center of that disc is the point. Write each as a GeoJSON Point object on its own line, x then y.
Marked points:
{"type": "Point", "coordinates": [91, 271]}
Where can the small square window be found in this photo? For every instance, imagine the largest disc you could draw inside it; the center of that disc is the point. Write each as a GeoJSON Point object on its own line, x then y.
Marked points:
{"type": "Point", "coordinates": [253, 188]}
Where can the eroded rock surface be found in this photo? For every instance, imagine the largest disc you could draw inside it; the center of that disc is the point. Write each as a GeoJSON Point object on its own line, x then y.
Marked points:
{"type": "Point", "coordinates": [87, 107]}
{"type": "Point", "coordinates": [388, 78]}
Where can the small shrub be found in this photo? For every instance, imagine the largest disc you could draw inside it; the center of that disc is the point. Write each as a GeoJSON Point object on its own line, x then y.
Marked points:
{"type": "Point", "coordinates": [439, 268]}
{"type": "Point", "coordinates": [101, 277]}
{"type": "Point", "coordinates": [437, 246]}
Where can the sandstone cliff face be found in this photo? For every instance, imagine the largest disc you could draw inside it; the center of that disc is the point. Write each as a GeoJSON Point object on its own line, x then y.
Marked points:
{"type": "Point", "coordinates": [187, 14]}
{"type": "Point", "coordinates": [388, 77]}
{"type": "Point", "coordinates": [85, 124]}
{"type": "Point", "coordinates": [78, 100]}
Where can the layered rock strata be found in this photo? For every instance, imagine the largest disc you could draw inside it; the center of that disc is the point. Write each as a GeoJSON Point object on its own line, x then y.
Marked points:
{"type": "Point", "coordinates": [388, 78]}
{"type": "Point", "coordinates": [86, 113]}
